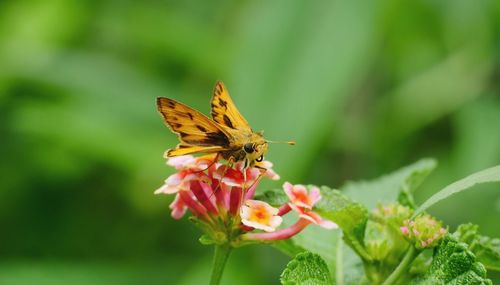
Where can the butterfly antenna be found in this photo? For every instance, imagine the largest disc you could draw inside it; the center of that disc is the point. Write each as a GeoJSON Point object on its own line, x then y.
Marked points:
{"type": "Point", "coordinates": [285, 142]}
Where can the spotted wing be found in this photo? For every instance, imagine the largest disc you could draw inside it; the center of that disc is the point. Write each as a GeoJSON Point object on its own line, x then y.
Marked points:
{"type": "Point", "coordinates": [225, 112]}
{"type": "Point", "coordinates": [197, 133]}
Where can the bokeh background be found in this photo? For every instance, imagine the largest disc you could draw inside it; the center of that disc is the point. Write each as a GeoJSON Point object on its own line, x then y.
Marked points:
{"type": "Point", "coordinates": [364, 87]}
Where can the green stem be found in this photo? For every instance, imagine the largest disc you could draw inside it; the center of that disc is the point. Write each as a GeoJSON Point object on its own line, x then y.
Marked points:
{"type": "Point", "coordinates": [402, 268]}
{"type": "Point", "coordinates": [359, 249]}
{"type": "Point", "coordinates": [220, 257]}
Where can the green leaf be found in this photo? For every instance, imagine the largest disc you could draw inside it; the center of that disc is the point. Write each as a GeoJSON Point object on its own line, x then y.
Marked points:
{"type": "Point", "coordinates": [398, 185]}
{"type": "Point", "coordinates": [275, 197]}
{"type": "Point", "coordinates": [308, 269]}
{"type": "Point", "coordinates": [206, 240]}
{"type": "Point", "coordinates": [488, 175]}
{"type": "Point", "coordinates": [313, 239]}
{"type": "Point", "coordinates": [344, 265]}
{"type": "Point", "coordinates": [486, 249]}
{"type": "Point", "coordinates": [349, 215]}
{"type": "Point", "coordinates": [350, 269]}
{"type": "Point", "coordinates": [454, 263]}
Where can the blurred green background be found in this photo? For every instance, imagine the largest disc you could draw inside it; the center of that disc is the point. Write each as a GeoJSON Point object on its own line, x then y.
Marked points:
{"type": "Point", "coordinates": [364, 87]}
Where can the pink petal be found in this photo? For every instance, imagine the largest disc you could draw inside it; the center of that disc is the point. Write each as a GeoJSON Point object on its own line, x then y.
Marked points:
{"type": "Point", "coordinates": [167, 189]}
{"type": "Point", "coordinates": [272, 175]}
{"type": "Point", "coordinates": [258, 226]}
{"type": "Point", "coordinates": [404, 230]}
{"type": "Point", "coordinates": [180, 162]}
{"type": "Point", "coordinates": [194, 206]}
{"type": "Point", "coordinates": [235, 200]}
{"type": "Point", "coordinates": [280, 234]}
{"type": "Point", "coordinates": [297, 209]}
{"type": "Point", "coordinates": [329, 225]}
{"type": "Point", "coordinates": [315, 218]}
{"type": "Point", "coordinates": [202, 197]}
{"type": "Point", "coordinates": [314, 195]}
{"type": "Point", "coordinates": [309, 218]}
{"type": "Point", "coordinates": [178, 207]}
{"type": "Point", "coordinates": [268, 224]}
{"type": "Point", "coordinates": [275, 221]}
{"type": "Point", "coordinates": [288, 187]}
{"type": "Point", "coordinates": [174, 179]}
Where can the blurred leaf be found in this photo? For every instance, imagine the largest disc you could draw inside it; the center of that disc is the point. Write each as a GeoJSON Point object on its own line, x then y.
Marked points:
{"type": "Point", "coordinates": [306, 269]}
{"type": "Point", "coordinates": [387, 188]}
{"type": "Point", "coordinates": [430, 95]}
{"type": "Point", "coordinates": [349, 267]}
{"type": "Point", "coordinates": [475, 145]}
{"type": "Point", "coordinates": [302, 84]}
{"type": "Point", "coordinates": [98, 273]}
{"type": "Point", "coordinates": [488, 175]}
{"type": "Point", "coordinates": [486, 249]}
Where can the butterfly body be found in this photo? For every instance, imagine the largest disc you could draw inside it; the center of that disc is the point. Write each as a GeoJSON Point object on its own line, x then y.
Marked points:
{"type": "Point", "coordinates": [249, 148]}
{"type": "Point", "coordinates": [228, 134]}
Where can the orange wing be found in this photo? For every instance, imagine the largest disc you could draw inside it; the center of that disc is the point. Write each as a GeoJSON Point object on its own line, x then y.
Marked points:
{"type": "Point", "coordinates": [196, 131]}
{"type": "Point", "coordinates": [225, 112]}
{"type": "Point", "coordinates": [183, 149]}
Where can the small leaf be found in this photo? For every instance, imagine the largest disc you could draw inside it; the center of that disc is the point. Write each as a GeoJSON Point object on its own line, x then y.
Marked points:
{"type": "Point", "coordinates": [454, 263]}
{"type": "Point", "coordinates": [397, 185]}
{"type": "Point", "coordinates": [306, 268]}
{"type": "Point", "coordinates": [486, 249]}
{"type": "Point", "coordinates": [206, 240]}
{"type": "Point", "coordinates": [488, 175]}
{"type": "Point", "coordinates": [275, 197]}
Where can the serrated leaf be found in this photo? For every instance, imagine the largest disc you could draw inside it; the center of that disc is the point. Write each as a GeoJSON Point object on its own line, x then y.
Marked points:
{"type": "Point", "coordinates": [454, 263]}
{"type": "Point", "coordinates": [306, 269]}
{"type": "Point", "coordinates": [488, 175]}
{"type": "Point", "coordinates": [349, 215]}
{"type": "Point", "coordinates": [397, 185]}
{"type": "Point", "coordinates": [486, 249]}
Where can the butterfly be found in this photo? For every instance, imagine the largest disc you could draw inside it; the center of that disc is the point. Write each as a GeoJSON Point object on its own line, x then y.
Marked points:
{"type": "Point", "coordinates": [227, 133]}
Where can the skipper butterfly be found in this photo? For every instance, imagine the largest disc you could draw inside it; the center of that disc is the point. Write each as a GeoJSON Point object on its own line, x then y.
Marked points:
{"type": "Point", "coordinates": [228, 133]}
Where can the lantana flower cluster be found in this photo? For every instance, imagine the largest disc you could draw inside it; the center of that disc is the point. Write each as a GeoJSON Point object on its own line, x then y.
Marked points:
{"type": "Point", "coordinates": [384, 241]}
{"type": "Point", "coordinates": [221, 200]}
{"type": "Point", "coordinates": [393, 213]}
{"type": "Point", "coordinates": [424, 231]}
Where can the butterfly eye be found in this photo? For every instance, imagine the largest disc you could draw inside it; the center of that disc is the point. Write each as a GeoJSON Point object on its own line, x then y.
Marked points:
{"type": "Point", "coordinates": [260, 158]}
{"type": "Point", "coordinates": [248, 147]}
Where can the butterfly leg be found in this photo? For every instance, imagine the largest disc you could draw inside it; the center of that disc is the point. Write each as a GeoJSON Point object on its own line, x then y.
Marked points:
{"type": "Point", "coordinates": [216, 158]}
{"type": "Point", "coordinates": [262, 172]}
{"type": "Point", "coordinates": [230, 163]}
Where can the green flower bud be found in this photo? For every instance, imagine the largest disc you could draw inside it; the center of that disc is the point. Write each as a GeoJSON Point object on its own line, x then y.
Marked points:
{"type": "Point", "coordinates": [424, 231]}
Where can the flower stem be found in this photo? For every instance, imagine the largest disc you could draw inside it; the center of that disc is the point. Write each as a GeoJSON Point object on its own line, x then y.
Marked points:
{"type": "Point", "coordinates": [220, 257]}
{"type": "Point", "coordinates": [402, 268]}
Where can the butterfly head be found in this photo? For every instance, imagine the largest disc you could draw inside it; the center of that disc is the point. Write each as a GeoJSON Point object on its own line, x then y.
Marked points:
{"type": "Point", "coordinates": [255, 149]}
